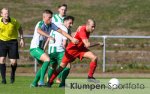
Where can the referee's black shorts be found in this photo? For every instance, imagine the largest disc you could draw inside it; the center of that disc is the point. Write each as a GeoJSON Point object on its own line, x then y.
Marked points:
{"type": "Point", "coordinates": [10, 48]}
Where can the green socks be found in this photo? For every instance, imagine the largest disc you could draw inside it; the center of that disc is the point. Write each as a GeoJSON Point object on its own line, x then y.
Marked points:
{"type": "Point", "coordinates": [37, 77]}
{"type": "Point", "coordinates": [60, 75]}
{"type": "Point", "coordinates": [41, 73]}
{"type": "Point", "coordinates": [50, 72]}
{"type": "Point", "coordinates": [65, 73]}
{"type": "Point", "coordinates": [43, 70]}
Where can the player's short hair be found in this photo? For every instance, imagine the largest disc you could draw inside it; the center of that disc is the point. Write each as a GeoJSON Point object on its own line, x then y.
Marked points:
{"type": "Point", "coordinates": [91, 21]}
{"type": "Point", "coordinates": [47, 12]}
{"type": "Point", "coordinates": [62, 5]}
{"type": "Point", "coordinates": [4, 9]}
{"type": "Point", "coordinates": [68, 18]}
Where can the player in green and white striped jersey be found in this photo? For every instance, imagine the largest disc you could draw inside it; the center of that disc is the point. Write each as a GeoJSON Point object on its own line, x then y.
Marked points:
{"type": "Point", "coordinates": [42, 30]}
{"type": "Point", "coordinates": [58, 20]}
{"type": "Point", "coordinates": [56, 49]}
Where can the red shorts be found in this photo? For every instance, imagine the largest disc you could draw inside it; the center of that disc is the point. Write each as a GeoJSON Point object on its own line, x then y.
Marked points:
{"type": "Point", "coordinates": [72, 53]}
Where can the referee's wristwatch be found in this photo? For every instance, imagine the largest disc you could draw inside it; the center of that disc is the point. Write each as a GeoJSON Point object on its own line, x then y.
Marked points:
{"type": "Point", "coordinates": [21, 38]}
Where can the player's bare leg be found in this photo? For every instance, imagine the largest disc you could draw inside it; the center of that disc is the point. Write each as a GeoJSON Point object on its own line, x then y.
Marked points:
{"type": "Point", "coordinates": [58, 80]}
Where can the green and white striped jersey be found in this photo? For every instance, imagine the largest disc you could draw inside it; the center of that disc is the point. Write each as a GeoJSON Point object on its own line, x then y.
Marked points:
{"type": "Point", "coordinates": [58, 45]}
{"type": "Point", "coordinates": [57, 19]}
{"type": "Point", "coordinates": [59, 38]}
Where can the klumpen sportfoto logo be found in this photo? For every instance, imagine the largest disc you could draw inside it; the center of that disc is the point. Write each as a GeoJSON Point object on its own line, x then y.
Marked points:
{"type": "Point", "coordinates": [91, 87]}
{"type": "Point", "coordinates": [83, 84]}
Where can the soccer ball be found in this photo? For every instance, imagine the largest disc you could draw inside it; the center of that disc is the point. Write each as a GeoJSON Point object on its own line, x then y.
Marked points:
{"type": "Point", "coordinates": [113, 83]}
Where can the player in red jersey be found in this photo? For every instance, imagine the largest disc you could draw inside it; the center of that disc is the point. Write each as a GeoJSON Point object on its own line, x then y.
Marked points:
{"type": "Point", "coordinates": [79, 50]}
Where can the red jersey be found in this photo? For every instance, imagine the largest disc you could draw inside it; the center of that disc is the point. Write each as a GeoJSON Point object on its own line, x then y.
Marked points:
{"type": "Point", "coordinates": [80, 35]}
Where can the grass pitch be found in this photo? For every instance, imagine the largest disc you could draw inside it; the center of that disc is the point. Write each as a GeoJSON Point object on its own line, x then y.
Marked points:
{"type": "Point", "coordinates": [21, 86]}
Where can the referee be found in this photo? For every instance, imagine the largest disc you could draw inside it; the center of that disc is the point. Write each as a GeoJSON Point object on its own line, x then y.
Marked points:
{"type": "Point", "coordinates": [9, 28]}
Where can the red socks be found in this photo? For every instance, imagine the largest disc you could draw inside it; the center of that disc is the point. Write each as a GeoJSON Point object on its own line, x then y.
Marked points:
{"type": "Point", "coordinates": [54, 75]}
{"type": "Point", "coordinates": [92, 69]}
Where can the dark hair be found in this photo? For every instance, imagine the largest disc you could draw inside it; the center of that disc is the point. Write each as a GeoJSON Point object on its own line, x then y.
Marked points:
{"type": "Point", "coordinates": [64, 5]}
{"type": "Point", "coordinates": [68, 18]}
{"type": "Point", "coordinates": [48, 12]}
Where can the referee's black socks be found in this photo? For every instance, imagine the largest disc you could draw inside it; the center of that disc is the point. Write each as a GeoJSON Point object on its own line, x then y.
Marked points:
{"type": "Point", "coordinates": [13, 70]}
{"type": "Point", "coordinates": [3, 73]}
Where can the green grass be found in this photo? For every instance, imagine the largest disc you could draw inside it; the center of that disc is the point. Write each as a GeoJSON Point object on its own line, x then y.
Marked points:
{"type": "Point", "coordinates": [113, 17]}
{"type": "Point", "coordinates": [21, 86]}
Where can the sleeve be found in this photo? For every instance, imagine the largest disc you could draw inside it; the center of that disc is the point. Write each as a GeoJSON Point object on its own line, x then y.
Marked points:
{"type": "Point", "coordinates": [17, 25]}
{"type": "Point", "coordinates": [62, 27]}
{"type": "Point", "coordinates": [39, 24]}
{"type": "Point", "coordinates": [54, 27]}
{"type": "Point", "coordinates": [82, 33]}
{"type": "Point", "coordinates": [64, 38]}
{"type": "Point", "coordinates": [53, 20]}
